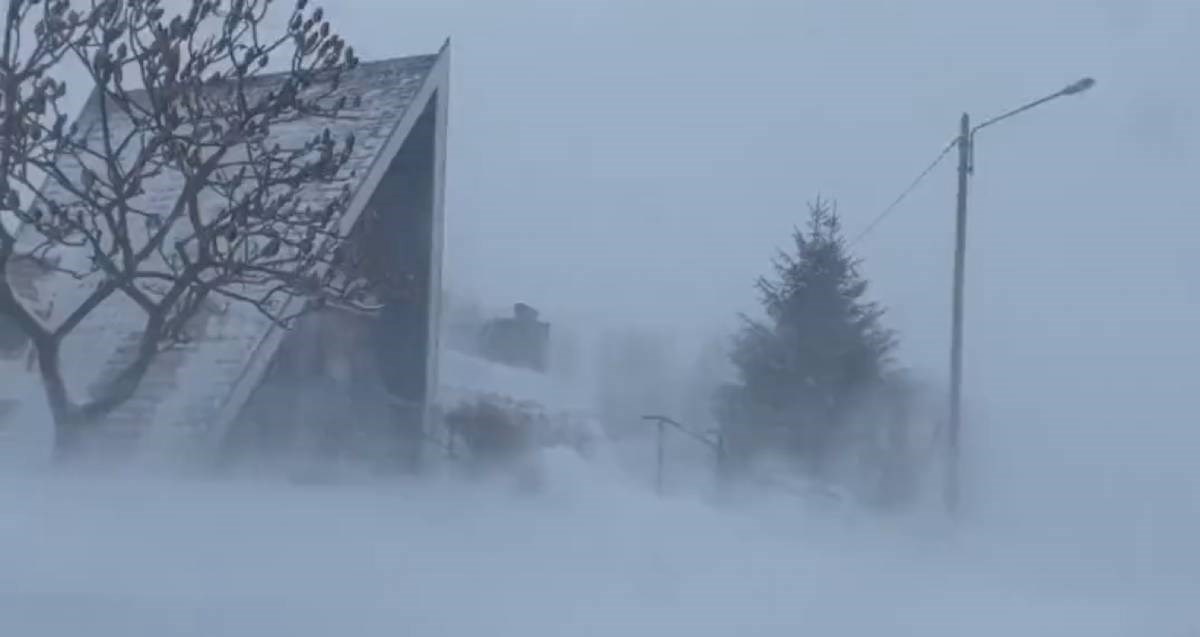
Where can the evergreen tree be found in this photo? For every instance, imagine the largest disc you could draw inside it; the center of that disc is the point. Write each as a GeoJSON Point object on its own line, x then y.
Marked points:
{"type": "Point", "coordinates": [821, 347]}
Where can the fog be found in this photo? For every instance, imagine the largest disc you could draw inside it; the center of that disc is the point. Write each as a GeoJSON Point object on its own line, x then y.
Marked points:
{"type": "Point", "coordinates": [627, 163]}
{"type": "Point", "coordinates": [593, 554]}
{"type": "Point", "coordinates": [641, 161]}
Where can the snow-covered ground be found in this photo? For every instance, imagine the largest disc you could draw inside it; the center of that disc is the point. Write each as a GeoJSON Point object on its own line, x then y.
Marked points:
{"type": "Point", "coordinates": [593, 552]}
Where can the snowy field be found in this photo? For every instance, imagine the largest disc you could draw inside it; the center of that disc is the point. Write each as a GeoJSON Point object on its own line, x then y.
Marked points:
{"type": "Point", "coordinates": [593, 553]}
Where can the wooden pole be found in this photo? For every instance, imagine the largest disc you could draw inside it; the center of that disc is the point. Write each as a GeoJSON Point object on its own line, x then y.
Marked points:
{"type": "Point", "coordinates": [662, 434]}
{"type": "Point", "coordinates": [953, 487]}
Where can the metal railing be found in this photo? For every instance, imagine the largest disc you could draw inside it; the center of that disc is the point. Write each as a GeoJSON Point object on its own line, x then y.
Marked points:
{"type": "Point", "coordinates": [714, 441]}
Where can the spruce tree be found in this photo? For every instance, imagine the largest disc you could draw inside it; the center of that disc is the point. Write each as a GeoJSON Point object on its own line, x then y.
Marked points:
{"type": "Point", "coordinates": [821, 346]}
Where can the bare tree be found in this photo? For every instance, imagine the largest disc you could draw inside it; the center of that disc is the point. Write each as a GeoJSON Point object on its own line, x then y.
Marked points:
{"type": "Point", "coordinates": [250, 217]}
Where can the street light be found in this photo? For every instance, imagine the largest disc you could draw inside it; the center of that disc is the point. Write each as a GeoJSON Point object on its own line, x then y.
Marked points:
{"type": "Point", "coordinates": [966, 160]}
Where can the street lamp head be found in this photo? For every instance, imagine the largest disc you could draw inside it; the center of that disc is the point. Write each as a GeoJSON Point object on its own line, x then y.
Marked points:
{"type": "Point", "coordinates": [1079, 87]}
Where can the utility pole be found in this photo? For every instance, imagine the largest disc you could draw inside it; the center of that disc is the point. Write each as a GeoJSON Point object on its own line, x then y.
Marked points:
{"type": "Point", "coordinates": [966, 161]}
{"type": "Point", "coordinates": [662, 443]}
{"type": "Point", "coordinates": [956, 340]}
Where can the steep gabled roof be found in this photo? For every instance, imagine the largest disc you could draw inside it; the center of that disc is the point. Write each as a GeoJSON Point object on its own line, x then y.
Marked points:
{"type": "Point", "coordinates": [196, 386]}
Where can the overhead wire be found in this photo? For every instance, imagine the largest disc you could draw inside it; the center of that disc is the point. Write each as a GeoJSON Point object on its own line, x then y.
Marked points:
{"type": "Point", "coordinates": [891, 207]}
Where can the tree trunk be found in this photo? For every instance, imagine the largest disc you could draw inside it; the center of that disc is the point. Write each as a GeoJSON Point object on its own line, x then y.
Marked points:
{"type": "Point", "coordinates": [69, 424]}
{"type": "Point", "coordinates": [68, 439]}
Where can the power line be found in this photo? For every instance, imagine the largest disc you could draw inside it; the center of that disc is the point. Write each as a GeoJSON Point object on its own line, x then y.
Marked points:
{"type": "Point", "coordinates": [904, 194]}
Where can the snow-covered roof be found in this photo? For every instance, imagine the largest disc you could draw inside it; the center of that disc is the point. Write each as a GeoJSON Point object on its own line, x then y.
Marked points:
{"type": "Point", "coordinates": [464, 377]}
{"type": "Point", "coordinates": [194, 385]}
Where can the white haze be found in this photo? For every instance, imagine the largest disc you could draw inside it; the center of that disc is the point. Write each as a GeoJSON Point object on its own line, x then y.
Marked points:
{"type": "Point", "coordinates": [636, 163]}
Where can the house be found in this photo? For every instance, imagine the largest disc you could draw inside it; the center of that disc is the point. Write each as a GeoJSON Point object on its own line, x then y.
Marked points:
{"type": "Point", "coordinates": [240, 377]}
{"type": "Point", "coordinates": [520, 340]}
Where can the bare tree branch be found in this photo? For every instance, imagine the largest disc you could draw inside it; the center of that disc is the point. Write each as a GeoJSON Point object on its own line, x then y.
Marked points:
{"type": "Point", "coordinates": [200, 125]}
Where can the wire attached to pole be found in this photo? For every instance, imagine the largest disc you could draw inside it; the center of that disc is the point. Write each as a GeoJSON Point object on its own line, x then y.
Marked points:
{"type": "Point", "coordinates": [904, 194]}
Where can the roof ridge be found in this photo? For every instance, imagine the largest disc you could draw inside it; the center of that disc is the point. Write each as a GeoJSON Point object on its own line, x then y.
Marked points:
{"type": "Point", "coordinates": [275, 76]}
